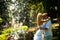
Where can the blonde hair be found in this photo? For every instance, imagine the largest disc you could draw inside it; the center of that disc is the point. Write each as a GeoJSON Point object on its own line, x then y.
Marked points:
{"type": "Point", "coordinates": [39, 14]}
{"type": "Point", "coordinates": [44, 14]}
{"type": "Point", "coordinates": [39, 17]}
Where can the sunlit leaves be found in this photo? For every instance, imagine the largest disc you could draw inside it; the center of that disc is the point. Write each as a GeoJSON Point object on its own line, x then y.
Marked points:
{"type": "Point", "coordinates": [0, 20]}
{"type": "Point", "coordinates": [56, 8]}
{"type": "Point", "coordinates": [13, 0]}
{"type": "Point", "coordinates": [33, 6]}
{"type": "Point", "coordinates": [37, 7]}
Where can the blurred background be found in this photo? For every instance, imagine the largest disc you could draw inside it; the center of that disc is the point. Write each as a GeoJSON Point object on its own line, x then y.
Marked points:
{"type": "Point", "coordinates": [18, 17]}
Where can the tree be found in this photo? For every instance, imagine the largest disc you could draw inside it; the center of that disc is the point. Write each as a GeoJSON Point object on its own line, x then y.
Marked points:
{"type": "Point", "coordinates": [18, 10]}
{"type": "Point", "coordinates": [3, 12]}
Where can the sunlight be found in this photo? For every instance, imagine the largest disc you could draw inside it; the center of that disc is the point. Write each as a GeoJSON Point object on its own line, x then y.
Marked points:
{"type": "Point", "coordinates": [13, 0]}
{"type": "Point", "coordinates": [12, 6]}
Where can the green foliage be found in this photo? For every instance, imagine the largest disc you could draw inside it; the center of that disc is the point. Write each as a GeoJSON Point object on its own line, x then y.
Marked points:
{"type": "Point", "coordinates": [37, 7]}
{"type": "Point", "coordinates": [3, 12]}
{"type": "Point", "coordinates": [0, 20]}
{"type": "Point", "coordinates": [5, 33]}
{"type": "Point", "coordinates": [3, 37]}
{"type": "Point", "coordinates": [22, 27]}
{"type": "Point", "coordinates": [9, 30]}
{"type": "Point", "coordinates": [56, 8]}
